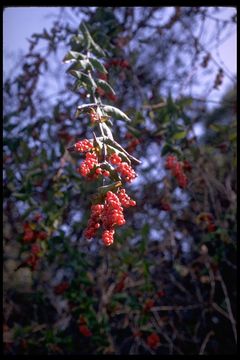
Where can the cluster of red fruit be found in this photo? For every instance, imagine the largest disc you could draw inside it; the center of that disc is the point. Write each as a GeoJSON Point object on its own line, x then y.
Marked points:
{"type": "Point", "coordinates": [124, 64]}
{"type": "Point", "coordinates": [177, 170]}
{"type": "Point", "coordinates": [33, 259]}
{"type": "Point", "coordinates": [61, 288]}
{"type": "Point", "coordinates": [31, 235]}
{"type": "Point", "coordinates": [108, 95]}
{"type": "Point", "coordinates": [83, 145]}
{"type": "Point", "coordinates": [90, 167]}
{"type": "Point", "coordinates": [165, 206]}
{"type": "Point", "coordinates": [123, 168]}
{"type": "Point", "coordinates": [209, 220]}
{"type": "Point", "coordinates": [109, 215]}
{"type": "Point", "coordinates": [133, 143]}
{"type": "Point", "coordinates": [83, 328]}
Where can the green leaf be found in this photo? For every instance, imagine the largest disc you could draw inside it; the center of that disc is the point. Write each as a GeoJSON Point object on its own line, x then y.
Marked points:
{"type": "Point", "coordinates": [84, 78]}
{"type": "Point", "coordinates": [20, 196]}
{"type": "Point", "coordinates": [168, 148]}
{"type": "Point", "coordinates": [116, 113]}
{"type": "Point", "coordinates": [87, 37]}
{"type": "Point", "coordinates": [185, 101]}
{"type": "Point", "coordinates": [89, 42]}
{"type": "Point", "coordinates": [97, 49]}
{"type": "Point", "coordinates": [98, 65]}
{"type": "Point", "coordinates": [233, 137]}
{"type": "Point", "coordinates": [105, 86]}
{"type": "Point", "coordinates": [219, 128]}
{"type": "Point", "coordinates": [73, 56]}
{"type": "Point", "coordinates": [81, 64]}
{"type": "Point", "coordinates": [104, 189]}
{"type": "Point", "coordinates": [108, 130]}
{"type": "Point", "coordinates": [134, 131]}
{"type": "Point", "coordinates": [179, 135]}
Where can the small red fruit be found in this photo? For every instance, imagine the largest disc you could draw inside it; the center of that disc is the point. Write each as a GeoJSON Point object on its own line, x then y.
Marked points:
{"type": "Point", "coordinates": [148, 305]}
{"type": "Point", "coordinates": [211, 227]}
{"type": "Point", "coordinates": [84, 330]}
{"type": "Point", "coordinates": [153, 340]}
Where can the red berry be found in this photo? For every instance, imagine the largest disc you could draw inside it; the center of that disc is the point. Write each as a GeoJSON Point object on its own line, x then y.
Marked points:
{"type": "Point", "coordinates": [170, 161]}
{"type": "Point", "coordinates": [148, 305]}
{"type": "Point", "coordinates": [161, 293]}
{"type": "Point", "coordinates": [115, 159]}
{"type": "Point", "coordinates": [84, 330]}
{"type": "Point", "coordinates": [165, 206]}
{"type": "Point", "coordinates": [36, 249]}
{"type": "Point", "coordinates": [187, 166]}
{"type": "Point", "coordinates": [211, 227]}
{"type": "Point", "coordinates": [61, 288]}
{"type": "Point", "coordinates": [153, 340]}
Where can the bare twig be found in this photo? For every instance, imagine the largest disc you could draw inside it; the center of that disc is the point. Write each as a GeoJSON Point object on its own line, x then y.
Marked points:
{"type": "Point", "coordinates": [204, 344]}
{"type": "Point", "coordinates": [176, 308]}
{"type": "Point", "coordinates": [228, 303]}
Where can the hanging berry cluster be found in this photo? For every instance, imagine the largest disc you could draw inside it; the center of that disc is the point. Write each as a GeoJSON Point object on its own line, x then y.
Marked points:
{"type": "Point", "coordinates": [104, 158]}
{"type": "Point", "coordinates": [208, 220]}
{"type": "Point", "coordinates": [177, 169]}
{"type": "Point", "coordinates": [35, 238]}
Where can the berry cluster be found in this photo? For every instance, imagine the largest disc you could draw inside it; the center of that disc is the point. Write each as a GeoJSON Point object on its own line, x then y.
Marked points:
{"type": "Point", "coordinates": [118, 62]}
{"type": "Point", "coordinates": [94, 221]}
{"type": "Point", "coordinates": [83, 146]}
{"type": "Point", "coordinates": [109, 215]}
{"type": "Point", "coordinates": [108, 237]}
{"type": "Point", "coordinates": [32, 260]}
{"type": "Point", "coordinates": [133, 143]}
{"type": "Point", "coordinates": [108, 95]}
{"type": "Point", "coordinates": [126, 171]}
{"type": "Point", "coordinates": [165, 206]}
{"type": "Point", "coordinates": [115, 159]}
{"type": "Point", "coordinates": [88, 164]}
{"type": "Point", "coordinates": [61, 288]}
{"type": "Point", "coordinates": [84, 330]}
{"type": "Point", "coordinates": [125, 200]}
{"type": "Point", "coordinates": [123, 168]}
{"type": "Point", "coordinates": [31, 234]}
{"type": "Point", "coordinates": [209, 220]}
{"type": "Point", "coordinates": [177, 170]}
{"type": "Point", "coordinates": [90, 167]}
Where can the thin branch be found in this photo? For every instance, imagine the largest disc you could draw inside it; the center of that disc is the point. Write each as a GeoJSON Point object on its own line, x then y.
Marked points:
{"type": "Point", "coordinates": [228, 303]}
{"type": "Point", "coordinates": [204, 344]}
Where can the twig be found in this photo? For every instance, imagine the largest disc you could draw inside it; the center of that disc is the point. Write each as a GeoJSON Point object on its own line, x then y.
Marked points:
{"type": "Point", "coordinates": [204, 344]}
{"type": "Point", "coordinates": [176, 308]}
{"type": "Point", "coordinates": [228, 303]}
{"type": "Point", "coordinates": [220, 310]}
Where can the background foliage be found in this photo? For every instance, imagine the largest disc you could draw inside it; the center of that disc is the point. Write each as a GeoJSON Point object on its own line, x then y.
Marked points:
{"type": "Point", "coordinates": [168, 273]}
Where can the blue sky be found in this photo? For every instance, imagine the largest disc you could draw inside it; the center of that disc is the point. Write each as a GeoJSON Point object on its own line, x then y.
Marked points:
{"type": "Point", "coordinates": [34, 19]}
